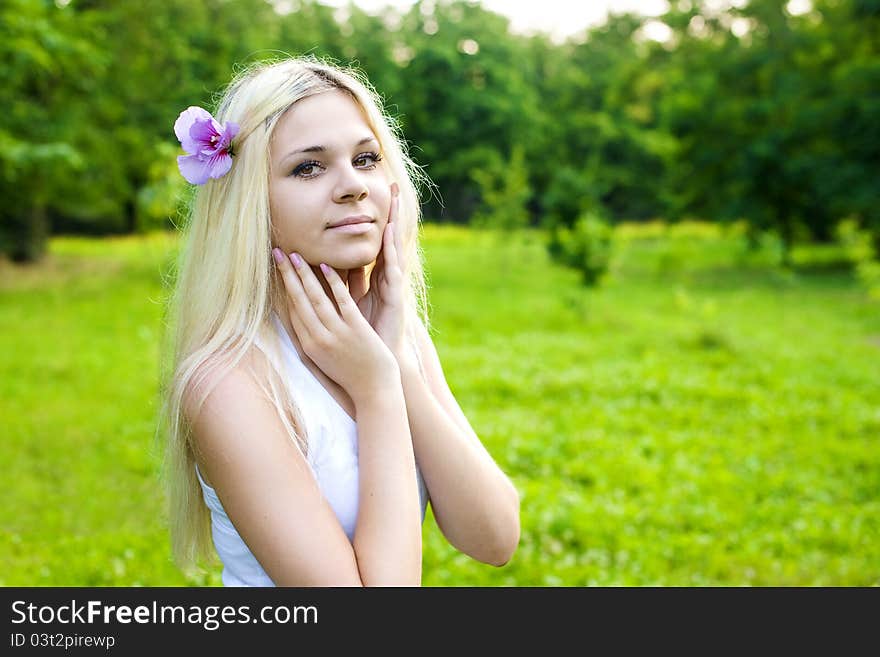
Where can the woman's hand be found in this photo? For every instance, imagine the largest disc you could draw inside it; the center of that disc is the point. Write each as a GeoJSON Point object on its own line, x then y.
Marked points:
{"type": "Point", "coordinates": [383, 304]}
{"type": "Point", "coordinates": [341, 343]}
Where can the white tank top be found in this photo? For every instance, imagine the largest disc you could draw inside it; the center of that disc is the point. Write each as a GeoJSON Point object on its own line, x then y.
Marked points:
{"type": "Point", "coordinates": [332, 453]}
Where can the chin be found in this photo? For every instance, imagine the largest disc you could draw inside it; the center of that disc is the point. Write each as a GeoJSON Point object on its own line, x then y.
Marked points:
{"type": "Point", "coordinates": [353, 258]}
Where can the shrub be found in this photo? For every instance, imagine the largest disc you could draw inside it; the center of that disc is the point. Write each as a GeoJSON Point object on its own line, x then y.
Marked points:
{"type": "Point", "coordinates": [587, 246]}
{"type": "Point", "coordinates": [860, 249]}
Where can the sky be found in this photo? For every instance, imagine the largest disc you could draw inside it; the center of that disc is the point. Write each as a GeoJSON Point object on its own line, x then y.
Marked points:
{"type": "Point", "coordinates": [559, 18]}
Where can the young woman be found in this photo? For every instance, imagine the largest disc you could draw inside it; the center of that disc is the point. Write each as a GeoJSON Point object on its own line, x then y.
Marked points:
{"type": "Point", "coordinates": [308, 415]}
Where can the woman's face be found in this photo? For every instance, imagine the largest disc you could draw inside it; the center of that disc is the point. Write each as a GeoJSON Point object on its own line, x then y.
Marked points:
{"type": "Point", "coordinates": [325, 172]}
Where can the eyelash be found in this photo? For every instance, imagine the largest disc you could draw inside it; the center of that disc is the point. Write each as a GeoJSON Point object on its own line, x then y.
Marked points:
{"type": "Point", "coordinates": [298, 170]}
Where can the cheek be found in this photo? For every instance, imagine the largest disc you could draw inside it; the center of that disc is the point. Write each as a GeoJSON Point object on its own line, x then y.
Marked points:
{"type": "Point", "coordinates": [288, 226]}
{"type": "Point", "coordinates": [382, 198]}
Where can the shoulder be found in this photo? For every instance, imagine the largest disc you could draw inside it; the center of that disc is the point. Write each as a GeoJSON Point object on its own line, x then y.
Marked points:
{"type": "Point", "coordinates": [218, 388]}
{"type": "Point", "coordinates": [230, 412]}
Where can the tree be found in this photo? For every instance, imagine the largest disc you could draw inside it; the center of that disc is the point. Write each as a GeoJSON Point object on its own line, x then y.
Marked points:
{"type": "Point", "coordinates": [44, 65]}
{"type": "Point", "coordinates": [464, 96]}
{"type": "Point", "coordinates": [774, 116]}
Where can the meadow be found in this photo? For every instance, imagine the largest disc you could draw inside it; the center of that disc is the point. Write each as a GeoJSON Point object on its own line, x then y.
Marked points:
{"type": "Point", "coordinates": [705, 417]}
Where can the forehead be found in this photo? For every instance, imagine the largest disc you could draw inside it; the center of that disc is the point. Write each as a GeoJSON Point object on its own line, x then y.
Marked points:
{"type": "Point", "coordinates": [329, 119]}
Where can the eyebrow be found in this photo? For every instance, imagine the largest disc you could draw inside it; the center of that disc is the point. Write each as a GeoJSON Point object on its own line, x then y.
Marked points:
{"type": "Point", "coordinates": [323, 149]}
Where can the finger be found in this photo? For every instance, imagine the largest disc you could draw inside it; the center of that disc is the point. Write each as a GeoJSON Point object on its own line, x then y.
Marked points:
{"type": "Point", "coordinates": [394, 249]}
{"type": "Point", "coordinates": [300, 327]}
{"type": "Point", "coordinates": [396, 224]}
{"type": "Point", "coordinates": [392, 261]}
{"type": "Point", "coordinates": [302, 315]}
{"type": "Point", "coordinates": [394, 209]}
{"type": "Point", "coordinates": [315, 294]}
{"type": "Point", "coordinates": [347, 308]}
{"type": "Point", "coordinates": [379, 266]}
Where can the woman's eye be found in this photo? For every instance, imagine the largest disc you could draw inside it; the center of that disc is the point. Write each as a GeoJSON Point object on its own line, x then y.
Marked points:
{"type": "Point", "coordinates": [367, 160]}
{"type": "Point", "coordinates": [305, 170]}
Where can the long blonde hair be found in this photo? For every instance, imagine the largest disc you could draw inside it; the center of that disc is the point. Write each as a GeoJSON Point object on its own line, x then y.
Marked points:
{"type": "Point", "coordinates": [223, 297]}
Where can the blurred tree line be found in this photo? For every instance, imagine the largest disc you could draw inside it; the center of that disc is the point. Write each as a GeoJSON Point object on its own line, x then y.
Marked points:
{"type": "Point", "coordinates": [748, 112]}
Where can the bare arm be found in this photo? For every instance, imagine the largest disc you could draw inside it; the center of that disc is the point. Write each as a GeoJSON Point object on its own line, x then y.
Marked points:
{"type": "Point", "coordinates": [475, 504]}
{"type": "Point", "coordinates": [388, 537]}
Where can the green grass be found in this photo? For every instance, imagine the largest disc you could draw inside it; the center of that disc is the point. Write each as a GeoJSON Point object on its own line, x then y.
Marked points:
{"type": "Point", "coordinates": [704, 418]}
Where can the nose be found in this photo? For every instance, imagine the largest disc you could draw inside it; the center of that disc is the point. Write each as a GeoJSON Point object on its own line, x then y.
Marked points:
{"type": "Point", "coordinates": [350, 186]}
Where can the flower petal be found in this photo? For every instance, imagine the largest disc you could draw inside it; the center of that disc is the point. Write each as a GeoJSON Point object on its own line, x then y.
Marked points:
{"type": "Point", "coordinates": [204, 131]}
{"type": "Point", "coordinates": [229, 132]}
{"type": "Point", "coordinates": [219, 165]}
{"type": "Point", "coordinates": [184, 124]}
{"type": "Point", "coordinates": [194, 168]}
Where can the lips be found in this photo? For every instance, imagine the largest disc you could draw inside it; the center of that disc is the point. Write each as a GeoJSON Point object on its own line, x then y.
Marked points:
{"type": "Point", "coordinates": [348, 221]}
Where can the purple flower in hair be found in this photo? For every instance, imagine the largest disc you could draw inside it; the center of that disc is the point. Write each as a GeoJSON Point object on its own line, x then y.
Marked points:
{"type": "Point", "coordinates": [208, 144]}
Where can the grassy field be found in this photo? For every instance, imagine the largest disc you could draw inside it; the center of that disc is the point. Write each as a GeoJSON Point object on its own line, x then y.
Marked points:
{"type": "Point", "coordinates": [705, 418]}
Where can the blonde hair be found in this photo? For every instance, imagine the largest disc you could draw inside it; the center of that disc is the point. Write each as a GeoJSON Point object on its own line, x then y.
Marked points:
{"type": "Point", "coordinates": [223, 298]}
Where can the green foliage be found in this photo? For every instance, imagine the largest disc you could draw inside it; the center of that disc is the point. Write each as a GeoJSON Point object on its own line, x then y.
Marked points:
{"type": "Point", "coordinates": [44, 60]}
{"type": "Point", "coordinates": [607, 151]}
{"type": "Point", "coordinates": [504, 189]}
{"type": "Point", "coordinates": [466, 91]}
{"type": "Point", "coordinates": [862, 253]}
{"type": "Point", "coordinates": [587, 247]}
{"type": "Point", "coordinates": [569, 195]}
{"type": "Point", "coordinates": [160, 201]}
{"type": "Point", "coordinates": [773, 116]}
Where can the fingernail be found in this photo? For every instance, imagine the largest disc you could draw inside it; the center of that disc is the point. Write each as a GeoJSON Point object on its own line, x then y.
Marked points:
{"type": "Point", "coordinates": [296, 260]}
{"type": "Point", "coordinates": [325, 269]}
{"type": "Point", "coordinates": [395, 190]}
{"type": "Point", "coordinates": [279, 257]}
